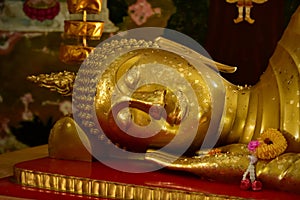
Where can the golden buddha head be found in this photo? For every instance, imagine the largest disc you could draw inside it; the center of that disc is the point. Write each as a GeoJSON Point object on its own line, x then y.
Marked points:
{"type": "Point", "coordinates": [149, 92]}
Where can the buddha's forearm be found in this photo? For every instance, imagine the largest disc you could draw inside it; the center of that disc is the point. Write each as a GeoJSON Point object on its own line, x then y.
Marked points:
{"type": "Point", "coordinates": [229, 165]}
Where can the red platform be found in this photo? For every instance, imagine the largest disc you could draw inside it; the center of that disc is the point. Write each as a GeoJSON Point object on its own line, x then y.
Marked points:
{"type": "Point", "coordinates": [165, 181]}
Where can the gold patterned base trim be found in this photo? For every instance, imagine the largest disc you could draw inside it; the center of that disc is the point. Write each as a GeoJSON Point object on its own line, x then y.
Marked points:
{"type": "Point", "coordinates": [106, 189]}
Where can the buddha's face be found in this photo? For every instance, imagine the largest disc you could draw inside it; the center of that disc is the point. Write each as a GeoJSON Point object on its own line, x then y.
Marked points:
{"type": "Point", "coordinates": [146, 97]}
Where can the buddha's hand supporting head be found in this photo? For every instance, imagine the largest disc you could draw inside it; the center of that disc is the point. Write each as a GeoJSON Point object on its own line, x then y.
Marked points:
{"type": "Point", "coordinates": [150, 98]}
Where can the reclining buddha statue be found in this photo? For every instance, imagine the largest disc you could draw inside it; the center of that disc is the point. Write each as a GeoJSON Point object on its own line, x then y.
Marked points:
{"type": "Point", "coordinates": [167, 101]}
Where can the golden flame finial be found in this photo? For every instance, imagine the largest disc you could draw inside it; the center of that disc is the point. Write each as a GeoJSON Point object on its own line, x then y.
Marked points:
{"type": "Point", "coordinates": [61, 82]}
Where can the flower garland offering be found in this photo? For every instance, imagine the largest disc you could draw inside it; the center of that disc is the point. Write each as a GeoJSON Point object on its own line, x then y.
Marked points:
{"type": "Point", "coordinates": [269, 145]}
{"type": "Point", "coordinates": [246, 182]}
{"type": "Point", "coordinates": [272, 144]}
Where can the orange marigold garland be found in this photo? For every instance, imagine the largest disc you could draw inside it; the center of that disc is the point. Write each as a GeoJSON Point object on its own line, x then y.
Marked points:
{"type": "Point", "coordinates": [271, 144]}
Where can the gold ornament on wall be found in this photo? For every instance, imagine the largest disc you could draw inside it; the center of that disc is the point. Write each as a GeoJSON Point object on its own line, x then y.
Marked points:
{"type": "Point", "coordinates": [81, 29]}
{"type": "Point", "coordinates": [245, 5]}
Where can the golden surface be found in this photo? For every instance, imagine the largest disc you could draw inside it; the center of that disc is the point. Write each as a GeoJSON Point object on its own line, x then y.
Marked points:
{"type": "Point", "coordinates": [74, 54]}
{"type": "Point", "coordinates": [106, 189]}
{"type": "Point", "coordinates": [229, 165]}
{"type": "Point", "coordinates": [61, 82]}
{"type": "Point", "coordinates": [78, 6]}
{"type": "Point", "coordinates": [72, 136]}
{"type": "Point", "coordinates": [220, 66]}
{"type": "Point", "coordinates": [88, 29]}
{"type": "Point", "coordinates": [174, 113]}
{"type": "Point", "coordinates": [272, 103]}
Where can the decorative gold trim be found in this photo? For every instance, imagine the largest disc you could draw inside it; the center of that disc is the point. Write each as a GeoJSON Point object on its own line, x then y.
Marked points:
{"type": "Point", "coordinates": [61, 82]}
{"type": "Point", "coordinates": [89, 29]}
{"type": "Point", "coordinates": [106, 189]}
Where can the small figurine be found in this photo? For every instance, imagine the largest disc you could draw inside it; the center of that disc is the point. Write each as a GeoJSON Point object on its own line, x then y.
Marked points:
{"type": "Point", "coordinates": [246, 182]}
{"type": "Point", "coordinates": [247, 4]}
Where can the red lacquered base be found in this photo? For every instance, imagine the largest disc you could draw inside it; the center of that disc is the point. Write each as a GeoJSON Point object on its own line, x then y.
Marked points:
{"type": "Point", "coordinates": [87, 180]}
